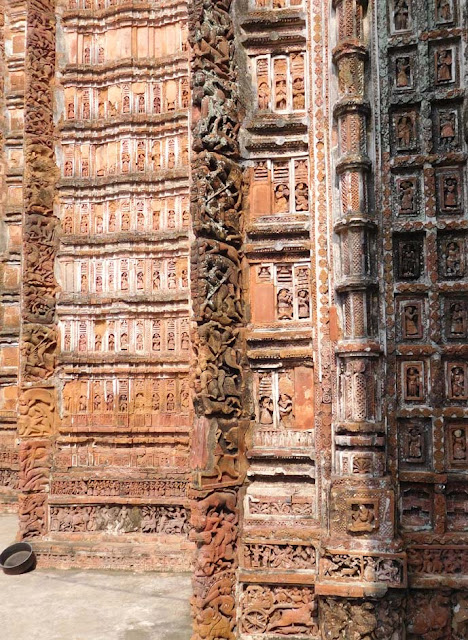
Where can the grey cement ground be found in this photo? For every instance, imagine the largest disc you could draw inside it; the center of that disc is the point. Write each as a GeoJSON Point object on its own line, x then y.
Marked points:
{"type": "Point", "coordinates": [91, 605]}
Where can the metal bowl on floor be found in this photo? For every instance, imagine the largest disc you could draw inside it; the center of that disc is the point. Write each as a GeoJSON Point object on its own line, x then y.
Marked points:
{"type": "Point", "coordinates": [18, 558]}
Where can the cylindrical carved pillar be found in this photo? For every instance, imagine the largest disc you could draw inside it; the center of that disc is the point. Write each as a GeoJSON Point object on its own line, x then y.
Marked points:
{"type": "Point", "coordinates": [359, 557]}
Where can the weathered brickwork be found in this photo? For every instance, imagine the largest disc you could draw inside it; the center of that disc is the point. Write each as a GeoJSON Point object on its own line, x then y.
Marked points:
{"type": "Point", "coordinates": [242, 340]}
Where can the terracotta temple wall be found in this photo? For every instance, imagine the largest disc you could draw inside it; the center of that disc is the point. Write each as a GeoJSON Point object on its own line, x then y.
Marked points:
{"type": "Point", "coordinates": [243, 302]}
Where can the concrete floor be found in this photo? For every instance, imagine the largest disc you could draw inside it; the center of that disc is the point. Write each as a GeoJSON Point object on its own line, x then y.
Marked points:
{"type": "Point", "coordinates": [91, 605]}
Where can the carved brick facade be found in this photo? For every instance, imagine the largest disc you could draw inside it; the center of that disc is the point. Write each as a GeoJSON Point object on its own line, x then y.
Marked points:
{"type": "Point", "coordinates": [244, 317]}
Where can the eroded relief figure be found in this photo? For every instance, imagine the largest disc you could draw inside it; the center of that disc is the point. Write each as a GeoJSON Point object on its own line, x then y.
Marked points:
{"type": "Point", "coordinates": [401, 15]}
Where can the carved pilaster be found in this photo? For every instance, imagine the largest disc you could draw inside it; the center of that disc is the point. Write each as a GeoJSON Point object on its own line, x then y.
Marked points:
{"type": "Point", "coordinates": [37, 420]}
{"type": "Point", "coordinates": [361, 501]}
{"type": "Point", "coordinates": [216, 295]}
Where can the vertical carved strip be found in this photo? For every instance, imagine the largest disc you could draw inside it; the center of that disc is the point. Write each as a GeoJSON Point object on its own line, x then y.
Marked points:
{"type": "Point", "coordinates": [38, 340]}
{"type": "Point", "coordinates": [216, 293]}
{"type": "Point", "coordinates": [360, 510]}
{"type": "Point", "coordinates": [12, 30]}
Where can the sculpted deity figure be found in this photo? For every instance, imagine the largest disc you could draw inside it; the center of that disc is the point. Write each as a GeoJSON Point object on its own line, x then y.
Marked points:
{"type": "Point", "coordinates": [444, 65]}
{"type": "Point", "coordinates": [362, 518]}
{"type": "Point", "coordinates": [266, 410]}
{"type": "Point", "coordinates": [457, 382]}
{"type": "Point", "coordinates": [401, 15]}
{"type": "Point", "coordinates": [285, 304]}
{"type": "Point", "coordinates": [413, 383]}
{"type": "Point", "coordinates": [459, 444]}
{"type": "Point", "coordinates": [458, 319]}
{"type": "Point", "coordinates": [411, 321]}
{"type": "Point", "coordinates": [405, 132]}
{"type": "Point", "coordinates": [403, 72]}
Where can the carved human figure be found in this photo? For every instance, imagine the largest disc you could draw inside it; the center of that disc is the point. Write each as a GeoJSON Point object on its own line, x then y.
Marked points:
{"type": "Point", "coordinates": [97, 342]}
{"type": "Point", "coordinates": [444, 65]}
{"type": "Point", "coordinates": [266, 410]}
{"type": "Point", "coordinates": [68, 225]}
{"type": "Point", "coordinates": [97, 400]}
{"type": "Point", "coordinates": [123, 403]}
{"type": "Point", "coordinates": [156, 342]}
{"type": "Point", "coordinates": [302, 196]}
{"type": "Point", "coordinates": [303, 304]}
{"type": "Point", "coordinates": [82, 404]}
{"type": "Point", "coordinates": [112, 221]}
{"type": "Point", "coordinates": [84, 224]}
{"type": "Point", "coordinates": [405, 132]}
{"type": "Point", "coordinates": [141, 159]}
{"type": "Point", "coordinates": [125, 222]}
{"type": "Point", "coordinates": [281, 96]}
{"type": "Point", "coordinates": [124, 341]}
{"type": "Point", "coordinates": [447, 129]}
{"type": "Point", "coordinates": [139, 402]}
{"type": "Point", "coordinates": [409, 260]}
{"type": "Point", "coordinates": [87, 55]}
{"type": "Point", "coordinates": [362, 518]}
{"type": "Point", "coordinates": [171, 219]}
{"type": "Point", "coordinates": [170, 402]}
{"type": "Point", "coordinates": [457, 382]}
{"type": "Point", "coordinates": [110, 402]}
{"type": "Point", "coordinates": [126, 104]}
{"type": "Point", "coordinates": [139, 342]}
{"type": "Point", "coordinates": [171, 280]}
{"type": "Point", "coordinates": [284, 304]}
{"type": "Point", "coordinates": [281, 198]}
{"type": "Point", "coordinates": [412, 321]}
{"type": "Point", "coordinates": [401, 15]}
{"type": "Point", "coordinates": [156, 278]}
{"type": "Point", "coordinates": [71, 111]}
{"type": "Point", "coordinates": [458, 319]}
{"type": "Point", "coordinates": [140, 280]}
{"type": "Point", "coordinates": [84, 282]}
{"type": "Point", "coordinates": [156, 219]}
{"type": "Point", "coordinates": [298, 92]}
{"type": "Point", "coordinates": [413, 383]}
{"type": "Point", "coordinates": [407, 197]}
{"type": "Point", "coordinates": [125, 162]}
{"type": "Point", "coordinates": [68, 171]}
{"type": "Point", "coordinates": [285, 408]}
{"type": "Point", "coordinates": [444, 10]}
{"type": "Point", "coordinates": [415, 441]}
{"type": "Point", "coordinates": [85, 168]}
{"type": "Point", "coordinates": [155, 402]}
{"type": "Point", "coordinates": [111, 342]}
{"type": "Point", "coordinates": [184, 341]}
{"type": "Point", "coordinates": [124, 281]}
{"type": "Point", "coordinates": [459, 444]}
{"type": "Point", "coordinates": [82, 342]}
{"type": "Point", "coordinates": [451, 198]}
{"type": "Point", "coordinates": [453, 260]}
{"type": "Point", "coordinates": [263, 95]}
{"type": "Point", "coordinates": [171, 341]}
{"type": "Point", "coordinates": [403, 72]}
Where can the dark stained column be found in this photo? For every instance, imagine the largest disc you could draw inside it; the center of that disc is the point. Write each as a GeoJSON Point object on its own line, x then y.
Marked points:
{"type": "Point", "coordinates": [216, 296]}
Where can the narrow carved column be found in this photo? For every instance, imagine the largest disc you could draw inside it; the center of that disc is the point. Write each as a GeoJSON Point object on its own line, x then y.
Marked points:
{"type": "Point", "coordinates": [38, 340]}
{"type": "Point", "coordinates": [359, 558]}
{"type": "Point", "coordinates": [13, 15]}
{"type": "Point", "coordinates": [216, 292]}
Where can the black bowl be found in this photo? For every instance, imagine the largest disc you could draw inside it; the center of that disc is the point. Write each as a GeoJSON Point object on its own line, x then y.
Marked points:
{"type": "Point", "coordinates": [18, 558]}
